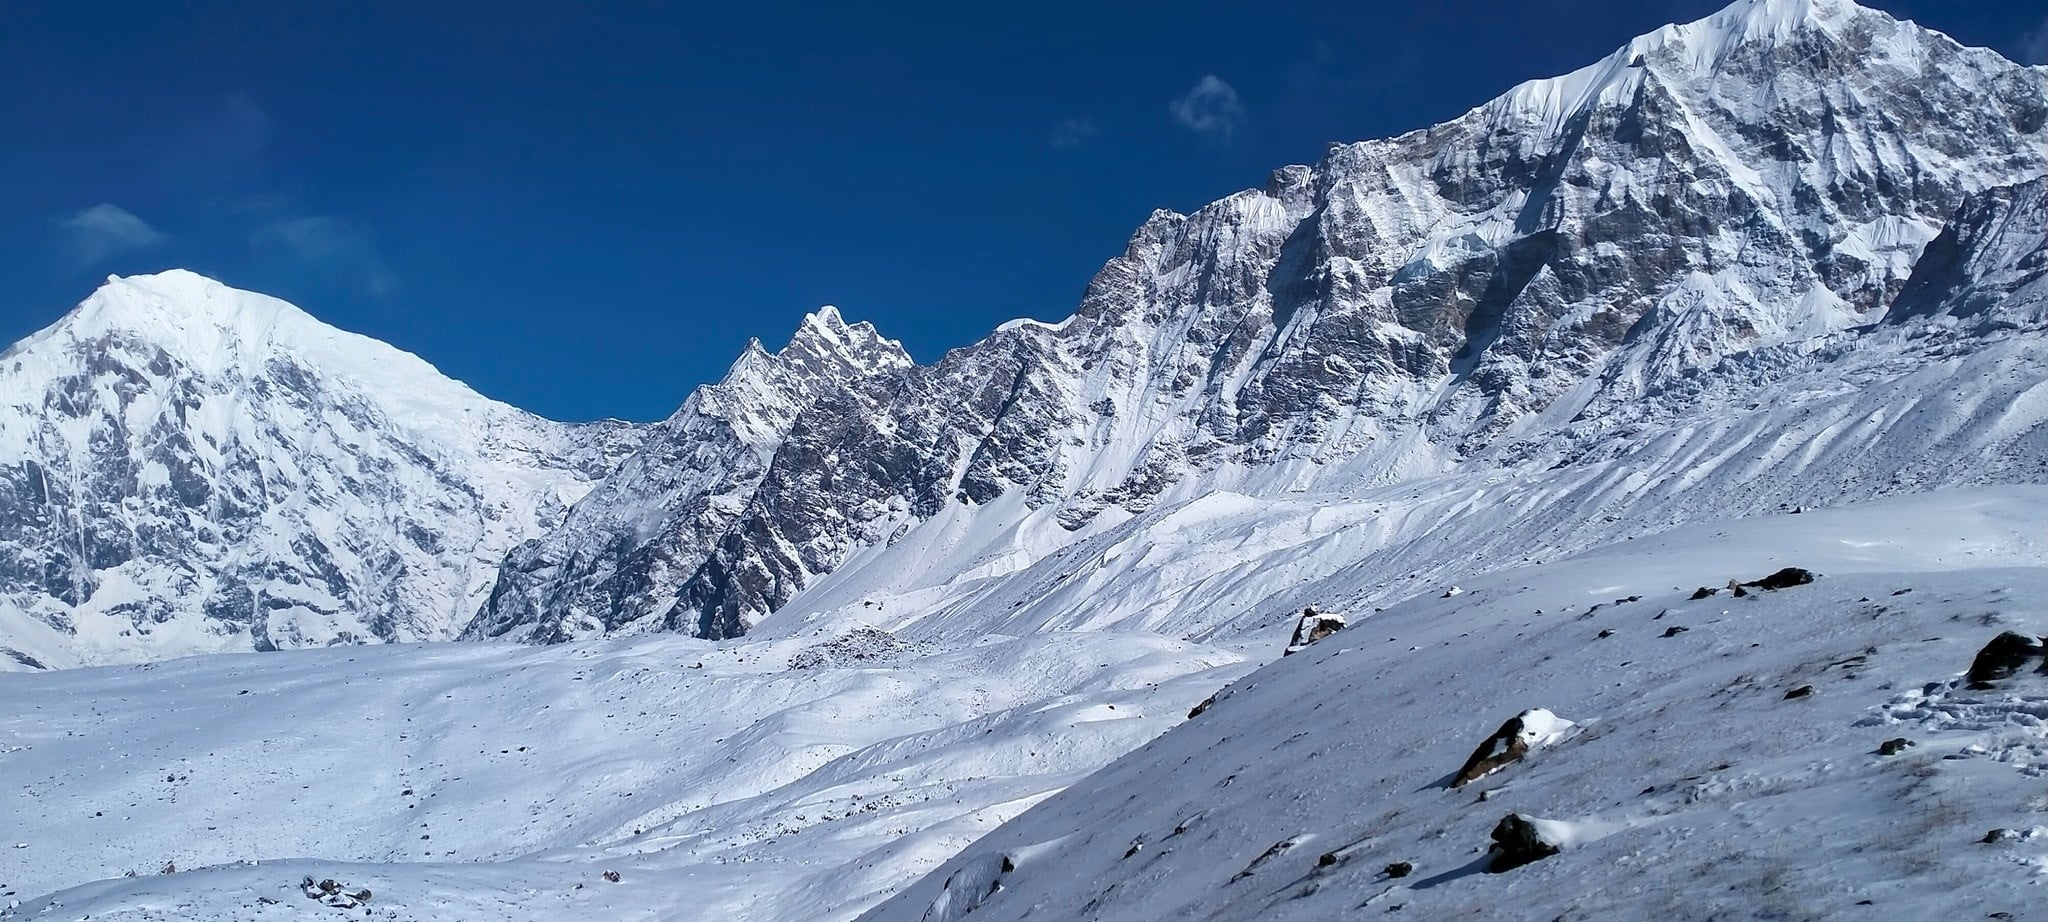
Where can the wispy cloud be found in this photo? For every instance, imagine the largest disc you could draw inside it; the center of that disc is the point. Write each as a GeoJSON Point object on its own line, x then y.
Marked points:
{"type": "Point", "coordinates": [2034, 45]}
{"type": "Point", "coordinates": [1211, 108]}
{"type": "Point", "coordinates": [1073, 132]}
{"type": "Point", "coordinates": [103, 231]}
{"type": "Point", "coordinates": [341, 251]}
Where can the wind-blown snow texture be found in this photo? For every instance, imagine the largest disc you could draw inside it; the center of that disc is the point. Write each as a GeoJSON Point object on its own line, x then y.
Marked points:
{"type": "Point", "coordinates": [1702, 784]}
{"type": "Point", "coordinates": [187, 468]}
{"type": "Point", "coordinates": [1706, 208]}
{"type": "Point", "coordinates": [1794, 256]}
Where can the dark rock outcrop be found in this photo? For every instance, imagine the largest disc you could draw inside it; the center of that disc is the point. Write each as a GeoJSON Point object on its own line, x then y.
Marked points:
{"type": "Point", "coordinates": [1313, 626]}
{"type": "Point", "coordinates": [1523, 732]}
{"type": "Point", "coordinates": [1518, 840]}
{"type": "Point", "coordinates": [1784, 579]}
{"type": "Point", "coordinates": [2003, 657]}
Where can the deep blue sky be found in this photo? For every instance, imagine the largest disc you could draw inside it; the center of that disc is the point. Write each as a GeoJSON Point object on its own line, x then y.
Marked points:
{"type": "Point", "coordinates": [587, 213]}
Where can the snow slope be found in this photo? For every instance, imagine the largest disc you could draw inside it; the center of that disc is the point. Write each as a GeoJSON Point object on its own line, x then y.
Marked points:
{"type": "Point", "coordinates": [498, 781]}
{"type": "Point", "coordinates": [1701, 784]}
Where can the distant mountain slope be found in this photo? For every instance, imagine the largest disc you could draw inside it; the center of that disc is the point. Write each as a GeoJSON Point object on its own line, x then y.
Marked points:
{"type": "Point", "coordinates": [188, 468]}
{"type": "Point", "coordinates": [626, 551]}
{"type": "Point", "coordinates": [1580, 283]}
{"type": "Point", "coordinates": [1713, 205]}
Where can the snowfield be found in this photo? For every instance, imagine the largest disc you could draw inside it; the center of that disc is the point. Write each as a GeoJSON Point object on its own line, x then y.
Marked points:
{"type": "Point", "coordinates": [493, 781]}
{"type": "Point", "coordinates": [1728, 766]}
{"type": "Point", "coordinates": [720, 782]}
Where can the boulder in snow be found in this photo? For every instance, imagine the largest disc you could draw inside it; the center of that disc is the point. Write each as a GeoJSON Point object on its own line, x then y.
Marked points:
{"type": "Point", "coordinates": [2005, 655]}
{"type": "Point", "coordinates": [1784, 579]}
{"type": "Point", "coordinates": [977, 879]}
{"type": "Point", "coordinates": [1520, 840]}
{"type": "Point", "coordinates": [1531, 729]}
{"type": "Point", "coordinates": [1313, 626]}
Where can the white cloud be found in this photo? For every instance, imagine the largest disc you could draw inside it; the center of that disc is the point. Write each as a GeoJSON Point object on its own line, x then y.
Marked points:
{"type": "Point", "coordinates": [1074, 132]}
{"type": "Point", "coordinates": [105, 230]}
{"type": "Point", "coordinates": [1211, 108]}
{"type": "Point", "coordinates": [338, 250]}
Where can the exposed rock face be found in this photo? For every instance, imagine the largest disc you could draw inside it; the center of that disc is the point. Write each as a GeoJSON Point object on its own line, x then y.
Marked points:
{"type": "Point", "coordinates": [1784, 579]}
{"type": "Point", "coordinates": [1988, 268]}
{"type": "Point", "coordinates": [653, 534]}
{"type": "Point", "coordinates": [1313, 626]}
{"type": "Point", "coordinates": [1520, 840]}
{"type": "Point", "coordinates": [187, 468]}
{"type": "Point", "coordinates": [2004, 657]}
{"type": "Point", "coordinates": [1529, 730]}
{"type": "Point", "coordinates": [1580, 248]}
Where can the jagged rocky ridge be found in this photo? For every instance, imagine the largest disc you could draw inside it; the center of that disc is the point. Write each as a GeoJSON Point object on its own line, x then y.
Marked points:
{"type": "Point", "coordinates": [627, 549]}
{"type": "Point", "coordinates": [1730, 200]}
{"type": "Point", "coordinates": [188, 468]}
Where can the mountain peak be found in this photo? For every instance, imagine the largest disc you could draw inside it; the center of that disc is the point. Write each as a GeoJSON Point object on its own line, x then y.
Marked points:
{"type": "Point", "coordinates": [220, 332]}
{"type": "Point", "coordinates": [1748, 21]}
{"type": "Point", "coordinates": [1677, 51]}
{"type": "Point", "coordinates": [824, 334]}
{"type": "Point", "coordinates": [176, 297]}
{"type": "Point", "coordinates": [824, 344]}
{"type": "Point", "coordinates": [826, 316]}
{"type": "Point", "coordinates": [188, 314]}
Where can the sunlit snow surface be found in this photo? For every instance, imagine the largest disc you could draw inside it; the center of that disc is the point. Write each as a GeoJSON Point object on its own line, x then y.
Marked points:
{"type": "Point", "coordinates": [748, 790]}
{"type": "Point", "coordinates": [1697, 789]}
{"type": "Point", "coordinates": [489, 781]}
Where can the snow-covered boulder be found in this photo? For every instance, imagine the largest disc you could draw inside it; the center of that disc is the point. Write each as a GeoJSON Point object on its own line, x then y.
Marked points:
{"type": "Point", "coordinates": [1520, 840]}
{"type": "Point", "coordinates": [974, 882]}
{"type": "Point", "coordinates": [1532, 729]}
{"type": "Point", "coordinates": [1313, 626]}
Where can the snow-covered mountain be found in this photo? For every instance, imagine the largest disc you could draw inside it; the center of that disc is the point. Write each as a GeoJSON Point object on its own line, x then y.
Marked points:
{"type": "Point", "coordinates": [627, 551]}
{"type": "Point", "coordinates": [1590, 267]}
{"type": "Point", "coordinates": [188, 468]}
{"type": "Point", "coordinates": [1715, 205]}
{"type": "Point", "coordinates": [1765, 290]}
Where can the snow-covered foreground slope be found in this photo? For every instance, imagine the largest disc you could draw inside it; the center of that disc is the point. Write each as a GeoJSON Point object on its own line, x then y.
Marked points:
{"type": "Point", "coordinates": [1699, 781]}
{"type": "Point", "coordinates": [495, 781]}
